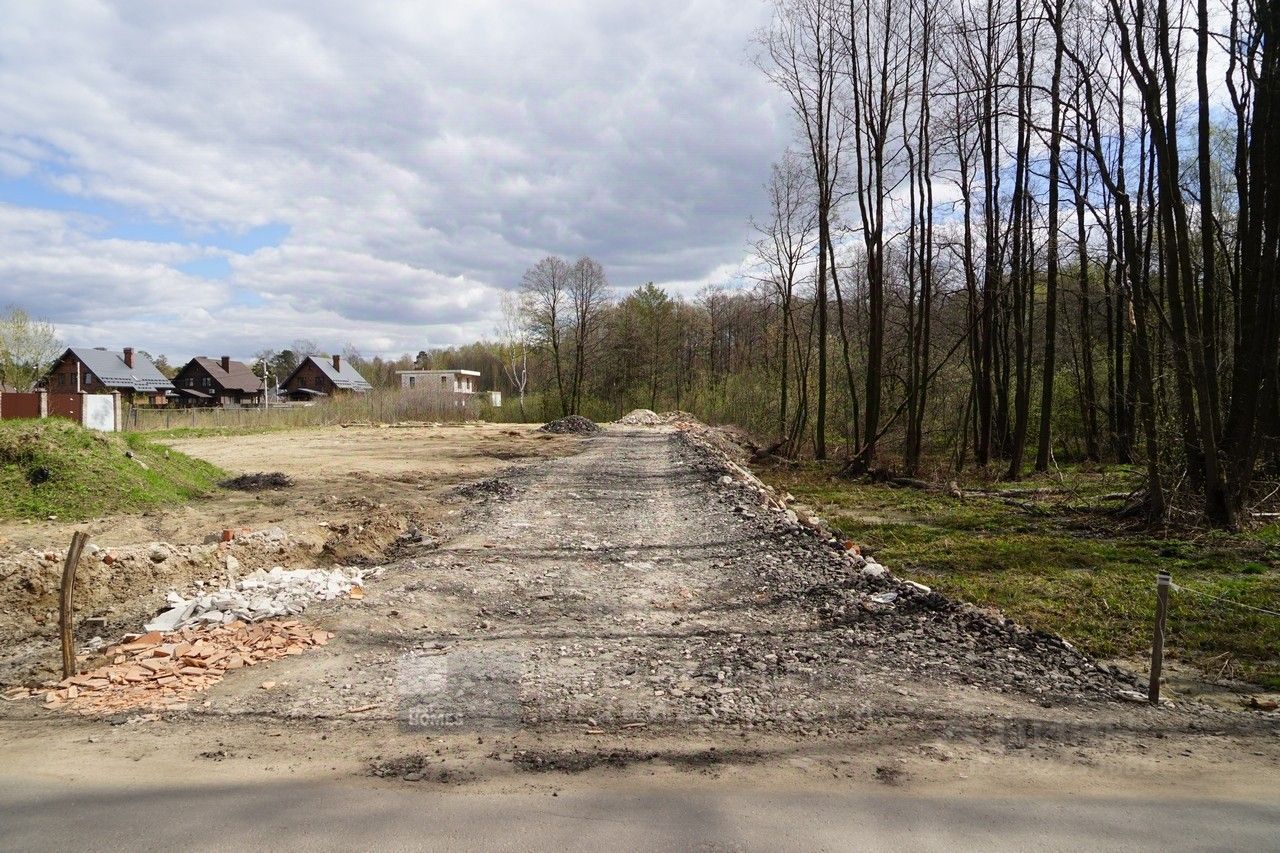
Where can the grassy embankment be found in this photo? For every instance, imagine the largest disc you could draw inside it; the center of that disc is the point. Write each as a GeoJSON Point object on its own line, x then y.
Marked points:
{"type": "Point", "coordinates": [1060, 561]}
{"type": "Point", "coordinates": [54, 467]}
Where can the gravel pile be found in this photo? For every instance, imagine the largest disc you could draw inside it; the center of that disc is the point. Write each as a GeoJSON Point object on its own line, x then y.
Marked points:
{"type": "Point", "coordinates": [640, 417]}
{"type": "Point", "coordinates": [571, 425]}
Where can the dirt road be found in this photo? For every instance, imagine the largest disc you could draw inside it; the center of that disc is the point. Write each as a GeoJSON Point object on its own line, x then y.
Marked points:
{"type": "Point", "coordinates": [634, 611]}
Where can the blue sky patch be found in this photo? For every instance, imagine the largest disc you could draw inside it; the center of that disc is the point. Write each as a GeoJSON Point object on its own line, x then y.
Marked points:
{"type": "Point", "coordinates": [124, 223]}
{"type": "Point", "coordinates": [215, 267]}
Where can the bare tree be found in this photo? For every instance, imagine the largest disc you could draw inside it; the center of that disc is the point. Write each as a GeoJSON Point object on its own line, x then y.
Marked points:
{"type": "Point", "coordinates": [514, 341]}
{"type": "Point", "coordinates": [784, 249]}
{"type": "Point", "coordinates": [545, 286]}
{"type": "Point", "coordinates": [801, 56]}
{"type": "Point", "coordinates": [588, 293]}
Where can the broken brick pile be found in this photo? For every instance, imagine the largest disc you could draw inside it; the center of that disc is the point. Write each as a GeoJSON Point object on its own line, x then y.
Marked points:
{"type": "Point", "coordinates": [163, 671]}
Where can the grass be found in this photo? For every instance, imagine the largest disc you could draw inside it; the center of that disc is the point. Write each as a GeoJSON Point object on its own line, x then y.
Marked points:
{"type": "Point", "coordinates": [1060, 562]}
{"type": "Point", "coordinates": [54, 467]}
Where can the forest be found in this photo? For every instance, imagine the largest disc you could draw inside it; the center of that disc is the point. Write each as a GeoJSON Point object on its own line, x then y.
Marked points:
{"type": "Point", "coordinates": [1009, 234]}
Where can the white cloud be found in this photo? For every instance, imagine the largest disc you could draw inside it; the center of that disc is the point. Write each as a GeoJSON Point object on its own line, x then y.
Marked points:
{"type": "Point", "coordinates": [421, 155]}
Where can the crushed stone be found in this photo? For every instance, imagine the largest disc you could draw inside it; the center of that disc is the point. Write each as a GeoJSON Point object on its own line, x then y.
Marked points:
{"type": "Point", "coordinates": [260, 595]}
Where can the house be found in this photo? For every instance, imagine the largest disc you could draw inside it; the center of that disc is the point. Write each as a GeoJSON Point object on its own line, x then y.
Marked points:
{"type": "Point", "coordinates": [221, 382]}
{"type": "Point", "coordinates": [98, 370]}
{"type": "Point", "coordinates": [451, 381]}
{"type": "Point", "coordinates": [462, 383]}
{"type": "Point", "coordinates": [317, 376]}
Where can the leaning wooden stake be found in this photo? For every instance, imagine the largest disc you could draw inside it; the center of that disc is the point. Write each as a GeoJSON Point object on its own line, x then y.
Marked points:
{"type": "Point", "coordinates": [1163, 579]}
{"type": "Point", "coordinates": [66, 608]}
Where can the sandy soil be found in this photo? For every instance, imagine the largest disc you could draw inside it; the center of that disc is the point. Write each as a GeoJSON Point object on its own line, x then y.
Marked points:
{"type": "Point", "coordinates": [620, 615]}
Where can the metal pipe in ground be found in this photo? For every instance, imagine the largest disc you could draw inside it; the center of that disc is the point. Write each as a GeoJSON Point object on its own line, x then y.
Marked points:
{"type": "Point", "coordinates": [1163, 580]}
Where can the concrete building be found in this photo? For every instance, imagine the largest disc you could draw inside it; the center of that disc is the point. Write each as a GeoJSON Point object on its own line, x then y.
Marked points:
{"type": "Point", "coordinates": [462, 383]}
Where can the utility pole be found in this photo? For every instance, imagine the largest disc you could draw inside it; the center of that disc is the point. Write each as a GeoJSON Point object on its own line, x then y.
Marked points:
{"type": "Point", "coordinates": [266, 383]}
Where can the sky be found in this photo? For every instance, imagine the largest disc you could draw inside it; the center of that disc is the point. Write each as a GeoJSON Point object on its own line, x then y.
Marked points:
{"type": "Point", "coordinates": [206, 178]}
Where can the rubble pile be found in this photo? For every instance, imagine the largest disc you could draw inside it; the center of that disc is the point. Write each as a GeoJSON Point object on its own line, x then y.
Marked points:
{"type": "Point", "coordinates": [483, 491]}
{"type": "Point", "coordinates": [259, 482]}
{"type": "Point", "coordinates": [122, 585]}
{"type": "Point", "coordinates": [726, 442]}
{"type": "Point", "coordinates": [874, 607]}
{"type": "Point", "coordinates": [640, 417]}
{"type": "Point", "coordinates": [260, 595]}
{"type": "Point", "coordinates": [571, 425]}
{"type": "Point", "coordinates": [162, 671]}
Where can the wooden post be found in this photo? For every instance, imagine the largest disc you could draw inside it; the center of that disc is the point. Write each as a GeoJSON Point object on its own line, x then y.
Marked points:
{"type": "Point", "coordinates": [1163, 579]}
{"type": "Point", "coordinates": [66, 608]}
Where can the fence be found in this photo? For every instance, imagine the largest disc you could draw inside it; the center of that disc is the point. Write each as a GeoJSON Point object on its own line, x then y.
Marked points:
{"type": "Point", "coordinates": [95, 411]}
{"type": "Point", "coordinates": [382, 406]}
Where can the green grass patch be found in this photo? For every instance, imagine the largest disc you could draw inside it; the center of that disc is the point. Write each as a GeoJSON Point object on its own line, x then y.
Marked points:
{"type": "Point", "coordinates": [56, 467]}
{"type": "Point", "coordinates": [1057, 563]}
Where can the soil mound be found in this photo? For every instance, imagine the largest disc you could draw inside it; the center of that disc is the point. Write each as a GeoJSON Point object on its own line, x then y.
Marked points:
{"type": "Point", "coordinates": [571, 425]}
{"type": "Point", "coordinates": [259, 482]}
{"type": "Point", "coordinates": [55, 467]}
{"type": "Point", "coordinates": [640, 417]}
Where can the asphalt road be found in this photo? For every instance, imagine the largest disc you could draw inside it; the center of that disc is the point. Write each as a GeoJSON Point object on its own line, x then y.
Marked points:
{"type": "Point", "coordinates": [345, 816]}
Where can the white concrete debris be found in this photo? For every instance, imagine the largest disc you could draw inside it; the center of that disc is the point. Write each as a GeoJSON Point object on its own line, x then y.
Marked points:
{"type": "Point", "coordinates": [918, 586]}
{"type": "Point", "coordinates": [257, 596]}
{"type": "Point", "coordinates": [872, 569]}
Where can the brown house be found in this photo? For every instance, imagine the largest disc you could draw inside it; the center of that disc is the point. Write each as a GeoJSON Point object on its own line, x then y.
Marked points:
{"type": "Point", "coordinates": [317, 376]}
{"type": "Point", "coordinates": [100, 371]}
{"type": "Point", "coordinates": [218, 382]}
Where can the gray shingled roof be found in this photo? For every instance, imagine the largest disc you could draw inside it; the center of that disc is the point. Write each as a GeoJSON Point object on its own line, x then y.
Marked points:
{"type": "Point", "coordinates": [348, 377]}
{"type": "Point", "coordinates": [110, 368]}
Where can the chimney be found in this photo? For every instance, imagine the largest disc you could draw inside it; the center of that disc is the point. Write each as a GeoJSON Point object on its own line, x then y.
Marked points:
{"type": "Point", "coordinates": [337, 362]}
{"type": "Point", "coordinates": [128, 356]}
{"type": "Point", "coordinates": [226, 364]}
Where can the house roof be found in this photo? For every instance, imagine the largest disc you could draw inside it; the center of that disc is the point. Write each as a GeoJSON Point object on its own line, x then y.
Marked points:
{"type": "Point", "coordinates": [345, 376]}
{"type": "Point", "coordinates": [240, 378]}
{"type": "Point", "coordinates": [111, 370]}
